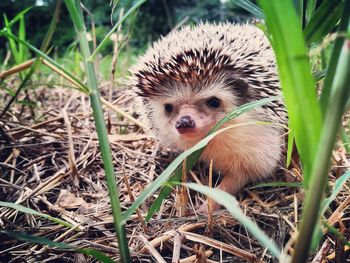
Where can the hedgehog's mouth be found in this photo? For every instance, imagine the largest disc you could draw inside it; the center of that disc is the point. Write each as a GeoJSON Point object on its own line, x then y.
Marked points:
{"type": "Point", "coordinates": [187, 131]}
{"type": "Point", "coordinates": [194, 133]}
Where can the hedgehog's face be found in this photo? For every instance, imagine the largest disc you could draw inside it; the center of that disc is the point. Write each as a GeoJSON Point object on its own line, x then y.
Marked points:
{"type": "Point", "coordinates": [183, 116]}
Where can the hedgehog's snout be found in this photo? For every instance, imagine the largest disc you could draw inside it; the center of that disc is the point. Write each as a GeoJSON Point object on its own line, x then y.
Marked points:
{"type": "Point", "coordinates": [185, 123]}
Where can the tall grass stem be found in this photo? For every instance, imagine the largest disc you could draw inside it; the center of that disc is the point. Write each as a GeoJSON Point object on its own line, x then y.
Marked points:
{"type": "Point", "coordinates": [77, 18]}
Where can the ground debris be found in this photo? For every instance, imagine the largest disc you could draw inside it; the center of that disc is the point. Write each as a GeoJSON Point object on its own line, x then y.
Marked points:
{"type": "Point", "coordinates": [50, 162]}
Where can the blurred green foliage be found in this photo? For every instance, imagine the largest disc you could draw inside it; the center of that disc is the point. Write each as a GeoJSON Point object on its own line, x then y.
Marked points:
{"type": "Point", "coordinates": [155, 18]}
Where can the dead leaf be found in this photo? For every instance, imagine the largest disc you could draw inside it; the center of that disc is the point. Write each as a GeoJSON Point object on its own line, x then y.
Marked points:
{"type": "Point", "coordinates": [68, 200]}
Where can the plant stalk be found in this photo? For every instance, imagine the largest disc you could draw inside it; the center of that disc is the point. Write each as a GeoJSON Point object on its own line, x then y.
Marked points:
{"type": "Point", "coordinates": [77, 18]}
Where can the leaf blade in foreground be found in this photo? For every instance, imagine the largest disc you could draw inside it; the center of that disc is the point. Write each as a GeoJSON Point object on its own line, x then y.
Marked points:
{"type": "Point", "coordinates": [30, 211]}
{"type": "Point", "coordinates": [232, 205]}
{"type": "Point", "coordinates": [296, 79]}
{"type": "Point", "coordinates": [44, 241]}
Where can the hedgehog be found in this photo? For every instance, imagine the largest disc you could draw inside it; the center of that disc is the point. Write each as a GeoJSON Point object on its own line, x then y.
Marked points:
{"type": "Point", "coordinates": [190, 79]}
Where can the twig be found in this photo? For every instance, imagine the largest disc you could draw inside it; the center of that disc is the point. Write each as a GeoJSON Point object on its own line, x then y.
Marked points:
{"type": "Point", "coordinates": [177, 247]}
{"type": "Point", "coordinates": [220, 245]}
{"type": "Point", "coordinates": [210, 201]}
{"type": "Point", "coordinates": [321, 254]}
{"type": "Point", "coordinates": [124, 114]}
{"type": "Point", "coordinates": [132, 198]}
{"type": "Point", "coordinates": [152, 250]}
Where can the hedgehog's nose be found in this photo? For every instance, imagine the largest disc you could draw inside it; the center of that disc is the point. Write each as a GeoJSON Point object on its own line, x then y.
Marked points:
{"type": "Point", "coordinates": [185, 122]}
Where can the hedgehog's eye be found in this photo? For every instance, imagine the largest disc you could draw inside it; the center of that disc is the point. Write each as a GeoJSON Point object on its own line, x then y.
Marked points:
{"type": "Point", "coordinates": [168, 108]}
{"type": "Point", "coordinates": [213, 102]}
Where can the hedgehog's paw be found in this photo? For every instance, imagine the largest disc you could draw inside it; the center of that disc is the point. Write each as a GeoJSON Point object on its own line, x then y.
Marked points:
{"type": "Point", "coordinates": [203, 209]}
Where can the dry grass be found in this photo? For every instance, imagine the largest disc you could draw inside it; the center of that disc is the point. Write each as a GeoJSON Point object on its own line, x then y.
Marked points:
{"type": "Point", "coordinates": [49, 161]}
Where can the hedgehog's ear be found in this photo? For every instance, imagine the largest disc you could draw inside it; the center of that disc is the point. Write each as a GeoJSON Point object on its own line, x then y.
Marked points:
{"type": "Point", "coordinates": [241, 85]}
{"type": "Point", "coordinates": [238, 85]}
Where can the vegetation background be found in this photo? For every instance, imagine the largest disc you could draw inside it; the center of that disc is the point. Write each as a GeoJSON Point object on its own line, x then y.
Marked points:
{"type": "Point", "coordinates": [155, 18]}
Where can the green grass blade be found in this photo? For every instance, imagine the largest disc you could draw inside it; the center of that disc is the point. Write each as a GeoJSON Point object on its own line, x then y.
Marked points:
{"type": "Point", "coordinates": [339, 95]}
{"type": "Point", "coordinates": [52, 27]}
{"type": "Point", "coordinates": [310, 9]}
{"type": "Point", "coordinates": [115, 27]}
{"type": "Point", "coordinates": [9, 91]}
{"type": "Point", "coordinates": [169, 171]}
{"type": "Point", "coordinates": [339, 183]}
{"type": "Point", "coordinates": [242, 109]}
{"type": "Point", "coordinates": [22, 50]}
{"type": "Point", "coordinates": [18, 16]}
{"type": "Point", "coordinates": [166, 190]}
{"type": "Point", "coordinates": [232, 206]}
{"type": "Point", "coordinates": [336, 233]}
{"type": "Point", "coordinates": [163, 194]}
{"type": "Point", "coordinates": [296, 79]}
{"type": "Point", "coordinates": [319, 75]}
{"type": "Point", "coordinates": [323, 21]}
{"type": "Point", "coordinates": [342, 27]}
{"type": "Point", "coordinates": [30, 211]}
{"type": "Point", "coordinates": [44, 241]}
{"type": "Point", "coordinates": [12, 43]}
{"type": "Point", "coordinates": [250, 7]}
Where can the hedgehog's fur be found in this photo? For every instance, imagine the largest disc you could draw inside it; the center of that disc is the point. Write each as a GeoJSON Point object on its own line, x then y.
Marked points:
{"type": "Point", "coordinates": [234, 63]}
